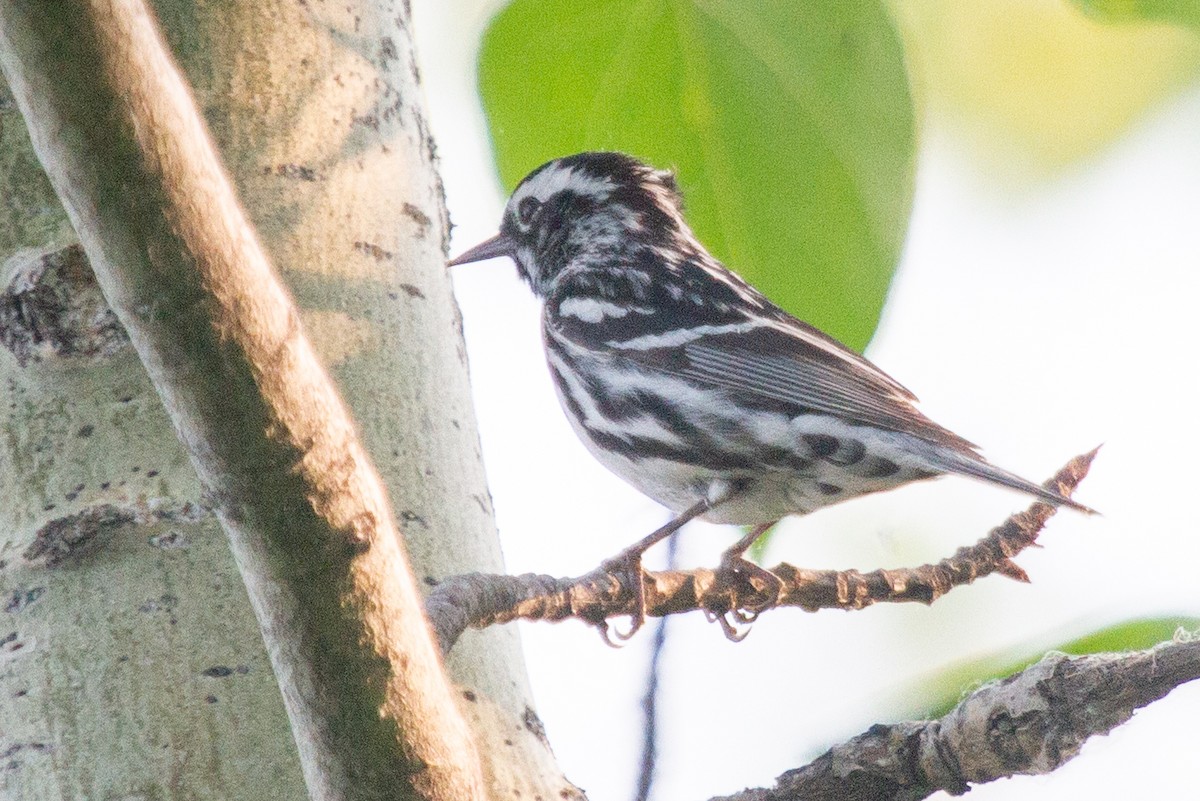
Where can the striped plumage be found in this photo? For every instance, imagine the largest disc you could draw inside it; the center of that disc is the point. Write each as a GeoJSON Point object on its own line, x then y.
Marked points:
{"type": "Point", "coordinates": [689, 383]}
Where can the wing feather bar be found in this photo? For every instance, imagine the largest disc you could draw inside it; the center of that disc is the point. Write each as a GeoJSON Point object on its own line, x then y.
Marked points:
{"type": "Point", "coordinates": [776, 364]}
{"type": "Point", "coordinates": [809, 386]}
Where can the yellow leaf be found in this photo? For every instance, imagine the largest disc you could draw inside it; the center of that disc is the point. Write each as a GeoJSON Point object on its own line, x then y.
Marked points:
{"type": "Point", "coordinates": [1037, 84]}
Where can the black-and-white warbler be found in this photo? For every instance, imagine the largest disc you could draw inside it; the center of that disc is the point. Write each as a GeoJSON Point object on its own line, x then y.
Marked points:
{"type": "Point", "coordinates": [687, 382]}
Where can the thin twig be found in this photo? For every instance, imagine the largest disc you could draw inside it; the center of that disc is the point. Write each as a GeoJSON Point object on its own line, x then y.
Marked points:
{"type": "Point", "coordinates": [649, 760]}
{"type": "Point", "coordinates": [478, 600]}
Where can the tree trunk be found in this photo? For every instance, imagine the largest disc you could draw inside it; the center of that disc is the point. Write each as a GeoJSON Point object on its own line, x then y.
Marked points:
{"type": "Point", "coordinates": [134, 666]}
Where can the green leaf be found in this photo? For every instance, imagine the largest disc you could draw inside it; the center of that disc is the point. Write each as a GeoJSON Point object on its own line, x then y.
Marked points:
{"type": "Point", "coordinates": [1178, 12]}
{"type": "Point", "coordinates": [939, 694]}
{"type": "Point", "coordinates": [790, 126]}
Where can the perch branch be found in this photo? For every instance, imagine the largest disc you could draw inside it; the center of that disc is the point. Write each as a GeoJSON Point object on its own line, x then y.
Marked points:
{"type": "Point", "coordinates": [477, 600]}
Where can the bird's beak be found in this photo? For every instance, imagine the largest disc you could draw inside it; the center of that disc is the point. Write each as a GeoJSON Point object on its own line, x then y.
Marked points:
{"type": "Point", "coordinates": [498, 245]}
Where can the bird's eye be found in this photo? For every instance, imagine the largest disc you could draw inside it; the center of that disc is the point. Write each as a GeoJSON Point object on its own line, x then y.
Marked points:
{"type": "Point", "coordinates": [527, 208]}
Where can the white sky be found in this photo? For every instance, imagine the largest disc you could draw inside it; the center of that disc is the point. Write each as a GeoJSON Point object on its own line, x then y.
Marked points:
{"type": "Point", "coordinates": [1037, 322]}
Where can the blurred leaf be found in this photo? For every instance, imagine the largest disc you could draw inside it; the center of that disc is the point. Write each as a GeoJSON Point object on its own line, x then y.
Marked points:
{"type": "Point", "coordinates": [1180, 12]}
{"type": "Point", "coordinates": [1034, 86]}
{"type": "Point", "coordinates": [938, 694]}
{"type": "Point", "coordinates": [757, 551]}
{"type": "Point", "coordinates": [790, 125]}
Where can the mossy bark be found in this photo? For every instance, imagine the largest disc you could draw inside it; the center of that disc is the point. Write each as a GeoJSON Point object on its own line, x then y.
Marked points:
{"type": "Point", "coordinates": [131, 665]}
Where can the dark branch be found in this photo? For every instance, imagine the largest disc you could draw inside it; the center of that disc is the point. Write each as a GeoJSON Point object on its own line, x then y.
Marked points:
{"type": "Point", "coordinates": [1030, 723]}
{"type": "Point", "coordinates": [477, 600]}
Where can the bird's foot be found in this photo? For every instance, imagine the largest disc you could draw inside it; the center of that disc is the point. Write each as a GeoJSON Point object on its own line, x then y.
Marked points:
{"type": "Point", "coordinates": [735, 575]}
{"type": "Point", "coordinates": [738, 573]}
{"type": "Point", "coordinates": [627, 563]}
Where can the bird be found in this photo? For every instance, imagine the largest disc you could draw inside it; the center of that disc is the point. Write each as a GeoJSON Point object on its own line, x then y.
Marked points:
{"type": "Point", "coordinates": [689, 383]}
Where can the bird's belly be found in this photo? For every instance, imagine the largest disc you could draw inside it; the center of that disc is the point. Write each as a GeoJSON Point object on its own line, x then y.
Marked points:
{"type": "Point", "coordinates": [762, 496]}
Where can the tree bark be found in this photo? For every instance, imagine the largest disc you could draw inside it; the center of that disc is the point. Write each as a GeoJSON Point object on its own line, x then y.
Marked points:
{"type": "Point", "coordinates": [318, 112]}
{"type": "Point", "coordinates": [1030, 723]}
{"type": "Point", "coordinates": [358, 217]}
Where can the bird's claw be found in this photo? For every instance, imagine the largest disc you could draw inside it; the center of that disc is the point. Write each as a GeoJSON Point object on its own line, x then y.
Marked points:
{"type": "Point", "coordinates": [735, 623]}
{"type": "Point", "coordinates": [614, 638]}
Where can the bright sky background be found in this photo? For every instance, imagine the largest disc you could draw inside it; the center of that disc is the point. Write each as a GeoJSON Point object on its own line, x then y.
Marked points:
{"type": "Point", "coordinates": [1038, 319]}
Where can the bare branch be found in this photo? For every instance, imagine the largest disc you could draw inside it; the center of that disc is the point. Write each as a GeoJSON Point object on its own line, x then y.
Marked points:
{"type": "Point", "coordinates": [478, 600]}
{"type": "Point", "coordinates": [1030, 723]}
{"type": "Point", "coordinates": [116, 129]}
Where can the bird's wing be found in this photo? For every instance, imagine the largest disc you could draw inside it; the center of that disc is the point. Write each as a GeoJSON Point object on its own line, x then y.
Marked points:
{"type": "Point", "coordinates": [788, 362]}
{"type": "Point", "coordinates": [704, 324]}
{"type": "Point", "coordinates": [757, 353]}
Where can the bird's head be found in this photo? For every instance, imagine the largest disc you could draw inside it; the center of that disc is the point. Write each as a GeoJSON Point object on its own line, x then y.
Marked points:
{"type": "Point", "coordinates": [584, 210]}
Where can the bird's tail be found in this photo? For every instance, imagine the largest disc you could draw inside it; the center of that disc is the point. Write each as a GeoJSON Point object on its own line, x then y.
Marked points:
{"type": "Point", "coordinates": [968, 463]}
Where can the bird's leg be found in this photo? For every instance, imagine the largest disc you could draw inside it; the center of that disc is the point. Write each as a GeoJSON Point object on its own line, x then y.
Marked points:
{"type": "Point", "coordinates": [630, 560]}
{"type": "Point", "coordinates": [734, 563]}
